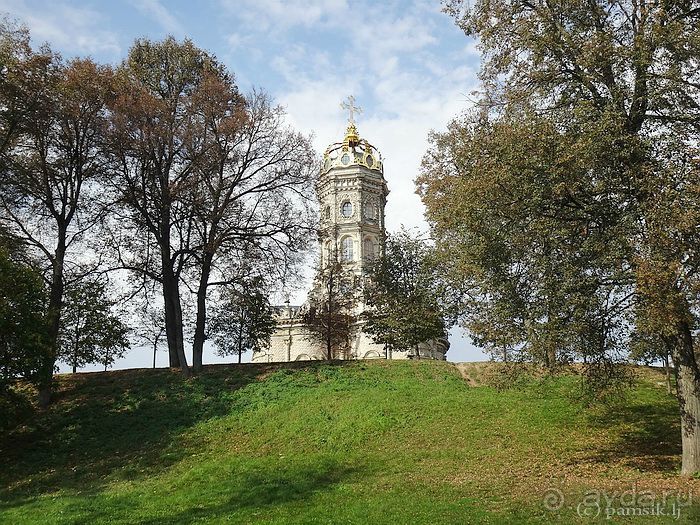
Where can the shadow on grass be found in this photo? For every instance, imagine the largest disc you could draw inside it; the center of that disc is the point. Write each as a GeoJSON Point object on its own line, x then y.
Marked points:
{"type": "Point", "coordinates": [647, 434]}
{"type": "Point", "coordinates": [255, 492]}
{"type": "Point", "coordinates": [120, 425]}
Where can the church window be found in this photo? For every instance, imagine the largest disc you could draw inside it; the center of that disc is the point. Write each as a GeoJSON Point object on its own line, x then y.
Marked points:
{"type": "Point", "coordinates": [370, 160]}
{"type": "Point", "coordinates": [370, 211]}
{"type": "Point", "coordinates": [369, 249]}
{"type": "Point", "coordinates": [346, 248]}
{"type": "Point", "coordinates": [346, 209]}
{"type": "Point", "coordinates": [328, 212]}
{"type": "Point", "coordinates": [345, 159]}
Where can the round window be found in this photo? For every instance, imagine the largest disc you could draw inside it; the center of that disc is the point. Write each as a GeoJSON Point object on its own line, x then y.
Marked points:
{"type": "Point", "coordinates": [346, 209]}
{"type": "Point", "coordinates": [345, 159]}
{"type": "Point", "coordinates": [369, 160]}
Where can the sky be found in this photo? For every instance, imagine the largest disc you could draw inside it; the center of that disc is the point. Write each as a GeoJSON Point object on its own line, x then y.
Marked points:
{"type": "Point", "coordinates": [406, 63]}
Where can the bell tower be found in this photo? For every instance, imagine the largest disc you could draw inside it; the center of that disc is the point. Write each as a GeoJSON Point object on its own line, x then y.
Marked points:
{"type": "Point", "coordinates": [352, 195]}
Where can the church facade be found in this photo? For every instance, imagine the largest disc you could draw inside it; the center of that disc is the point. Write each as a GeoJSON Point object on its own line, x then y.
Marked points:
{"type": "Point", "coordinates": [352, 194]}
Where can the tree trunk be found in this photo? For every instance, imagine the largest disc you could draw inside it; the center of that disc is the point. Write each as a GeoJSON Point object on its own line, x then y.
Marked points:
{"type": "Point", "coordinates": [155, 349]}
{"type": "Point", "coordinates": [329, 332]}
{"type": "Point", "coordinates": [173, 319]}
{"type": "Point", "coordinates": [200, 324]}
{"type": "Point", "coordinates": [75, 357]}
{"type": "Point", "coordinates": [240, 334]}
{"type": "Point", "coordinates": [54, 322]}
{"type": "Point", "coordinates": [688, 392]}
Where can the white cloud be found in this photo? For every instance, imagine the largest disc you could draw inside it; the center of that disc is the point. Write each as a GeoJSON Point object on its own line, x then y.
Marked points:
{"type": "Point", "coordinates": [74, 29]}
{"type": "Point", "coordinates": [160, 14]}
{"type": "Point", "coordinates": [281, 14]}
{"type": "Point", "coordinates": [391, 66]}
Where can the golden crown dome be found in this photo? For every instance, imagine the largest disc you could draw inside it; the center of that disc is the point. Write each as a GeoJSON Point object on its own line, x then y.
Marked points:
{"type": "Point", "coordinates": [352, 151]}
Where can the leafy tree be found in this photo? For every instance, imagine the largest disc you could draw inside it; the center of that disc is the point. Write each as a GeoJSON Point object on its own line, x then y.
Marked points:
{"type": "Point", "coordinates": [15, 55]}
{"type": "Point", "coordinates": [402, 296]}
{"type": "Point", "coordinates": [90, 331]}
{"type": "Point", "coordinates": [157, 140]}
{"type": "Point", "coordinates": [244, 320]}
{"type": "Point", "coordinates": [23, 334]}
{"type": "Point", "coordinates": [208, 181]}
{"type": "Point", "coordinates": [54, 114]}
{"type": "Point", "coordinates": [571, 197]}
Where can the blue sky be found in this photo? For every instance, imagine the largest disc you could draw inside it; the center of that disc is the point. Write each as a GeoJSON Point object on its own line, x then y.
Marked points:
{"type": "Point", "coordinates": [408, 66]}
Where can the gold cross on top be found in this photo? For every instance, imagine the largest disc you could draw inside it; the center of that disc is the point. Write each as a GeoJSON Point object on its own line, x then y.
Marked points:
{"type": "Point", "coordinates": [352, 108]}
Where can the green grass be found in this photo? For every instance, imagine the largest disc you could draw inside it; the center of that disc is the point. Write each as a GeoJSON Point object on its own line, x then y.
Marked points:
{"type": "Point", "coordinates": [355, 442]}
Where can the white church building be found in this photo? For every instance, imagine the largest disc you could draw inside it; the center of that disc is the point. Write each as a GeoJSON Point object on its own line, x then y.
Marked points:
{"type": "Point", "coordinates": [352, 194]}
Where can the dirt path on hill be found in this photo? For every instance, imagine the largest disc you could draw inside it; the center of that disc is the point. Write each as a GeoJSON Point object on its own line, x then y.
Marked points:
{"type": "Point", "coordinates": [464, 369]}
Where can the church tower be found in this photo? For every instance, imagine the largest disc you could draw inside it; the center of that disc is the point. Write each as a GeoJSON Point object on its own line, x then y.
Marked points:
{"type": "Point", "coordinates": [352, 195]}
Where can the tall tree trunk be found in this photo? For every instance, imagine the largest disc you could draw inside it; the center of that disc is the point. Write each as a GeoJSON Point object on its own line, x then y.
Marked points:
{"type": "Point", "coordinates": [240, 334]}
{"type": "Point", "coordinates": [54, 322]}
{"type": "Point", "coordinates": [173, 320]}
{"type": "Point", "coordinates": [200, 324]}
{"type": "Point", "coordinates": [329, 335]}
{"type": "Point", "coordinates": [155, 349]}
{"type": "Point", "coordinates": [688, 392]}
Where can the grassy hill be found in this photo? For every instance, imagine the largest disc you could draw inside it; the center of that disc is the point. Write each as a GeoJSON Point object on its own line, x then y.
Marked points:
{"type": "Point", "coordinates": [356, 442]}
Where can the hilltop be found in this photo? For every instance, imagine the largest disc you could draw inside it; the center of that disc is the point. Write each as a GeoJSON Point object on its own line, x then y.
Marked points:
{"type": "Point", "coordinates": [350, 442]}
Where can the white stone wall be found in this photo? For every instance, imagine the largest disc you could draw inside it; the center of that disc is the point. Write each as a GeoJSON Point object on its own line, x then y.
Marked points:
{"type": "Point", "coordinates": [291, 342]}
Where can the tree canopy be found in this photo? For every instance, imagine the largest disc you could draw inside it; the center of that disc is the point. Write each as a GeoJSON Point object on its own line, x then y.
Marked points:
{"type": "Point", "coordinates": [158, 175]}
{"type": "Point", "coordinates": [403, 303]}
{"type": "Point", "coordinates": [565, 205]}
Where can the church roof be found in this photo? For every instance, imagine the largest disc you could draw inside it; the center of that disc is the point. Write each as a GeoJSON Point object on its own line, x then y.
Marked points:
{"type": "Point", "coordinates": [353, 150]}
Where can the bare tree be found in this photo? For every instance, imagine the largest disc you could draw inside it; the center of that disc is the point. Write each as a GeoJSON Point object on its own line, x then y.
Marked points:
{"type": "Point", "coordinates": [252, 198]}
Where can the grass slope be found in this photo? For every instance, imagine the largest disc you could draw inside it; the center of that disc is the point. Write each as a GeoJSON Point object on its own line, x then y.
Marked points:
{"type": "Point", "coordinates": [356, 442]}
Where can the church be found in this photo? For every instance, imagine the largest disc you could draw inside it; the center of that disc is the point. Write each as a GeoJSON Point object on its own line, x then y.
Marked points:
{"type": "Point", "coordinates": [352, 194]}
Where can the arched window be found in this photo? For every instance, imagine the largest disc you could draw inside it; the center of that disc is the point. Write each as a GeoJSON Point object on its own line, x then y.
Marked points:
{"type": "Point", "coordinates": [346, 209]}
{"type": "Point", "coordinates": [328, 212]}
{"type": "Point", "coordinates": [346, 249]}
{"type": "Point", "coordinates": [370, 211]}
{"type": "Point", "coordinates": [368, 249]}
